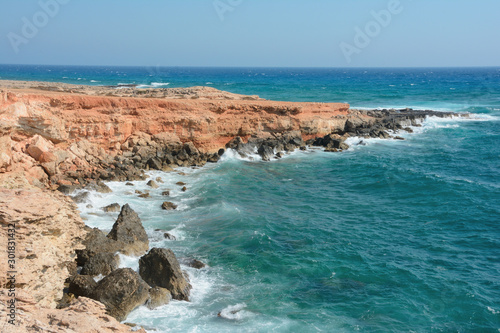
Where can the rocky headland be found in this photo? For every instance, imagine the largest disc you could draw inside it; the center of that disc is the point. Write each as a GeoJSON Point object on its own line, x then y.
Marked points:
{"type": "Point", "coordinates": [56, 138]}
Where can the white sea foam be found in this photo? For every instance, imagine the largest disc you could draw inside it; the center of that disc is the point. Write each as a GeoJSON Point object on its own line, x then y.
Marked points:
{"type": "Point", "coordinates": [94, 81]}
{"type": "Point", "coordinates": [495, 312]}
{"type": "Point", "coordinates": [235, 312]}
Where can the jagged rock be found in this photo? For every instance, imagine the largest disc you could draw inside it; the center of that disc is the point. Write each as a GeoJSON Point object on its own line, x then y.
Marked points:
{"type": "Point", "coordinates": [129, 232]}
{"type": "Point", "coordinates": [101, 263]}
{"type": "Point", "coordinates": [169, 236]}
{"type": "Point", "coordinates": [121, 292]}
{"type": "Point", "coordinates": [157, 297]}
{"type": "Point", "coordinates": [265, 152]}
{"type": "Point", "coordinates": [167, 205]}
{"type": "Point", "coordinates": [81, 285]}
{"type": "Point", "coordinates": [95, 242]}
{"type": "Point", "coordinates": [152, 184]}
{"type": "Point", "coordinates": [114, 207]}
{"type": "Point", "coordinates": [160, 268]}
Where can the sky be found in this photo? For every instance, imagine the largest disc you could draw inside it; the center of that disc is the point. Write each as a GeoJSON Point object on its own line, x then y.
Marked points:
{"type": "Point", "coordinates": [254, 33]}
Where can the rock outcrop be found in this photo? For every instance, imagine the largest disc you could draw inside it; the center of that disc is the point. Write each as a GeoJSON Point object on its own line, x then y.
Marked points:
{"type": "Point", "coordinates": [121, 292]}
{"type": "Point", "coordinates": [129, 233]}
{"type": "Point", "coordinates": [160, 268]}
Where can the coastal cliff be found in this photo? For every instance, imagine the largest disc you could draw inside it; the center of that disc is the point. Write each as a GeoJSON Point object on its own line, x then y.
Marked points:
{"type": "Point", "coordinates": [62, 137]}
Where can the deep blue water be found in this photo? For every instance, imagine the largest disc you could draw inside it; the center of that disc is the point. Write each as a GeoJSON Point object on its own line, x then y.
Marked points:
{"type": "Point", "coordinates": [388, 237]}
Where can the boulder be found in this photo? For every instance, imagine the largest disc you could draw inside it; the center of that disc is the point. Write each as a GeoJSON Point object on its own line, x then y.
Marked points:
{"type": "Point", "coordinates": [121, 292]}
{"type": "Point", "coordinates": [160, 268]}
{"type": "Point", "coordinates": [101, 263]}
{"type": "Point", "coordinates": [184, 189]}
{"type": "Point", "coordinates": [157, 297]}
{"type": "Point", "coordinates": [168, 206]}
{"type": "Point", "coordinates": [194, 263]}
{"type": "Point", "coordinates": [165, 193]}
{"type": "Point", "coordinates": [128, 231]}
{"type": "Point", "coordinates": [95, 242]}
{"type": "Point", "coordinates": [152, 184]}
{"type": "Point", "coordinates": [81, 285]}
{"type": "Point", "coordinates": [114, 207]}
{"type": "Point", "coordinates": [99, 187]}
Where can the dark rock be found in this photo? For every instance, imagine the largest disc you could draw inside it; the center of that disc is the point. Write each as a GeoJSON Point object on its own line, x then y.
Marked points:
{"type": "Point", "coordinates": [168, 205]}
{"type": "Point", "coordinates": [165, 193]}
{"type": "Point", "coordinates": [144, 195]}
{"type": "Point", "coordinates": [265, 152]}
{"type": "Point", "coordinates": [138, 192]}
{"type": "Point", "coordinates": [398, 138]}
{"type": "Point", "coordinates": [157, 297]}
{"type": "Point", "coordinates": [95, 242]}
{"type": "Point", "coordinates": [184, 189]}
{"type": "Point", "coordinates": [81, 285]}
{"type": "Point", "coordinates": [81, 197]}
{"type": "Point", "coordinates": [114, 207]}
{"type": "Point", "coordinates": [221, 152]}
{"type": "Point", "coordinates": [279, 155]}
{"type": "Point", "coordinates": [180, 183]}
{"type": "Point", "coordinates": [195, 263]}
{"type": "Point", "coordinates": [89, 206]}
{"type": "Point", "coordinates": [152, 184]}
{"type": "Point", "coordinates": [67, 189]}
{"type": "Point", "coordinates": [128, 231]}
{"type": "Point", "coordinates": [154, 163]}
{"type": "Point", "coordinates": [169, 236]}
{"type": "Point", "coordinates": [121, 292]}
{"type": "Point", "coordinates": [99, 187]}
{"type": "Point", "coordinates": [101, 263]}
{"type": "Point", "coordinates": [160, 268]}
{"type": "Point", "coordinates": [129, 184]}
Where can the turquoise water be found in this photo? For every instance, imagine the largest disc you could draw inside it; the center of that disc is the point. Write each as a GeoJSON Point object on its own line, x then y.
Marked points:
{"type": "Point", "coordinates": [392, 236]}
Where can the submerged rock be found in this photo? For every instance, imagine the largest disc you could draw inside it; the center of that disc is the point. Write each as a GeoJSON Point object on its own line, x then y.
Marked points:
{"type": "Point", "coordinates": [167, 205]}
{"type": "Point", "coordinates": [160, 268]}
{"type": "Point", "coordinates": [157, 297]}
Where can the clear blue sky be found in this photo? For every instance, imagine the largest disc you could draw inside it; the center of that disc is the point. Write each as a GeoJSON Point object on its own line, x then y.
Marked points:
{"type": "Point", "coordinates": [296, 33]}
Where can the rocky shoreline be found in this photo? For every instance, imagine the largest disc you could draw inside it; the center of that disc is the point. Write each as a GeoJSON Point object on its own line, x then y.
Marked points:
{"type": "Point", "coordinates": [59, 138]}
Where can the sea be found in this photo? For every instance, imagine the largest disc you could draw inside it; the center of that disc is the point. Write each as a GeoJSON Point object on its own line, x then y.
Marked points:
{"type": "Point", "coordinates": [388, 236]}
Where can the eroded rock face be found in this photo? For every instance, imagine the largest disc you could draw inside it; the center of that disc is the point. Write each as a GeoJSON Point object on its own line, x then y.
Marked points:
{"type": "Point", "coordinates": [129, 232]}
{"type": "Point", "coordinates": [121, 292]}
{"type": "Point", "coordinates": [160, 268]}
{"type": "Point", "coordinates": [48, 229]}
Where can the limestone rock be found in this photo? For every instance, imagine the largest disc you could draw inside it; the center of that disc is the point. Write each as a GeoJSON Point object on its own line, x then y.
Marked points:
{"type": "Point", "coordinates": [114, 207]}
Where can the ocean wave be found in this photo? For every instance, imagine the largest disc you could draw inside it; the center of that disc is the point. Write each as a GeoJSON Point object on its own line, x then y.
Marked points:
{"type": "Point", "coordinates": [235, 312]}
